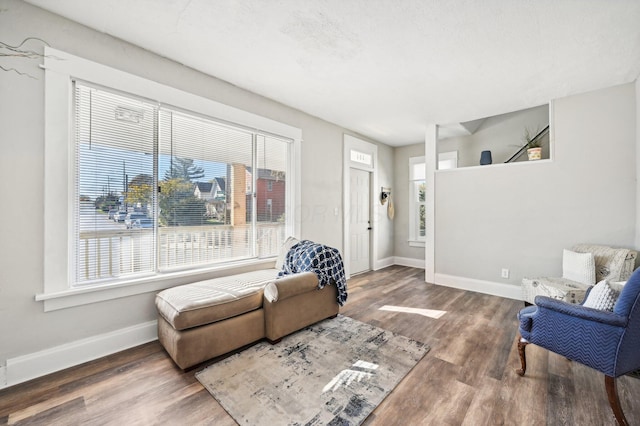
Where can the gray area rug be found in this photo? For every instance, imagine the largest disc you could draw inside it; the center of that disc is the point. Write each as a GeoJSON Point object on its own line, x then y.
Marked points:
{"type": "Point", "coordinates": [334, 372]}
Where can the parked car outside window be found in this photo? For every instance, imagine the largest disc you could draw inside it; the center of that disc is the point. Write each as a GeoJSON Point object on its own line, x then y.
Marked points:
{"type": "Point", "coordinates": [142, 223]}
{"type": "Point", "coordinates": [119, 216]}
{"type": "Point", "coordinates": [132, 217]}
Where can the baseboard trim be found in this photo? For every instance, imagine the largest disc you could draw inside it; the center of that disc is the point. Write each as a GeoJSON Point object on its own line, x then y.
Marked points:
{"type": "Point", "coordinates": [508, 291]}
{"type": "Point", "coordinates": [3, 376]}
{"type": "Point", "coordinates": [409, 261]}
{"type": "Point", "coordinates": [383, 263]}
{"type": "Point", "coordinates": [37, 364]}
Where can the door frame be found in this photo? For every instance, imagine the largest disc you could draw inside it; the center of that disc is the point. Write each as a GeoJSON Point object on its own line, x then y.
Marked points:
{"type": "Point", "coordinates": [369, 164]}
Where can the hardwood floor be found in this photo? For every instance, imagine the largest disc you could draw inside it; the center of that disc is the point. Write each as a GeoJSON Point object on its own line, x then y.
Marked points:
{"type": "Point", "coordinates": [468, 377]}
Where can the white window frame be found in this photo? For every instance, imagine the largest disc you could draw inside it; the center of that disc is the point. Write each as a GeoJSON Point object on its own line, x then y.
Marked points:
{"type": "Point", "coordinates": [59, 173]}
{"type": "Point", "coordinates": [415, 240]}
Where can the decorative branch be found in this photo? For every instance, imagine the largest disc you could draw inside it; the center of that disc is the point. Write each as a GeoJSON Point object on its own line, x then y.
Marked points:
{"type": "Point", "coordinates": [19, 52]}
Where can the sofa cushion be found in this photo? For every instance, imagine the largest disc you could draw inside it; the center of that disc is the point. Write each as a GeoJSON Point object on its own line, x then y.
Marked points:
{"type": "Point", "coordinates": [208, 301]}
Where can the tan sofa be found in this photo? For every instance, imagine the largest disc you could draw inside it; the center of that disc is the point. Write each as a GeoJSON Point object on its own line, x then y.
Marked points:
{"type": "Point", "coordinates": [202, 320]}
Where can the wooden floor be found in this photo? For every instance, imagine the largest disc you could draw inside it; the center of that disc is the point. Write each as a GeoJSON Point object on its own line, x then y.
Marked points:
{"type": "Point", "coordinates": [467, 378]}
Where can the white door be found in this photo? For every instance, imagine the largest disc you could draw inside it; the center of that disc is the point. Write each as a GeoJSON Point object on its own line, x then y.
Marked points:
{"type": "Point", "coordinates": [360, 221]}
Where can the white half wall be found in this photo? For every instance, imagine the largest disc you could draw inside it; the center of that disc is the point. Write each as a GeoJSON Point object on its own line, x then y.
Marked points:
{"type": "Point", "coordinates": [520, 216]}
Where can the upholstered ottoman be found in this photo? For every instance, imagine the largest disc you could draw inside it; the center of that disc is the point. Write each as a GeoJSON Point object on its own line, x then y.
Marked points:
{"type": "Point", "coordinates": [199, 321]}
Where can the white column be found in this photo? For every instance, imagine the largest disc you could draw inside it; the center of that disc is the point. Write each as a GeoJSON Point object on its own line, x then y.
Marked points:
{"type": "Point", "coordinates": [431, 162]}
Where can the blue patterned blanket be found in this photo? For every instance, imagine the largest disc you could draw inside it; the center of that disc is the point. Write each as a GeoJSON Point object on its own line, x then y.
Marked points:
{"type": "Point", "coordinates": [325, 261]}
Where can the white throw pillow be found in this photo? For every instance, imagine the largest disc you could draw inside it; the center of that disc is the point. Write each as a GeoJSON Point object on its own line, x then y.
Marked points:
{"type": "Point", "coordinates": [286, 246]}
{"type": "Point", "coordinates": [601, 297]}
{"type": "Point", "coordinates": [580, 267]}
{"type": "Point", "coordinates": [617, 285]}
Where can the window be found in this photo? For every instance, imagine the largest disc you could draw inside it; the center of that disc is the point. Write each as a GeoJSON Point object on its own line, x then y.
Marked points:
{"type": "Point", "coordinates": [417, 208]}
{"type": "Point", "coordinates": [146, 185]}
{"type": "Point", "coordinates": [114, 145]}
{"type": "Point", "coordinates": [139, 160]}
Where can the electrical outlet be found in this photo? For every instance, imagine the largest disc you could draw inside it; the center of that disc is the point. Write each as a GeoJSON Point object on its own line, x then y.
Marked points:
{"type": "Point", "coordinates": [505, 273]}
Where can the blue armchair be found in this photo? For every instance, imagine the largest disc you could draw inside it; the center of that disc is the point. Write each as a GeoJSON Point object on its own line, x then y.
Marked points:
{"type": "Point", "coordinates": [605, 341]}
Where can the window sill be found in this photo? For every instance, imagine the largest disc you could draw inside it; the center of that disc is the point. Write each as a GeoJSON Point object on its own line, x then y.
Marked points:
{"type": "Point", "coordinates": [103, 292]}
{"type": "Point", "coordinates": [414, 243]}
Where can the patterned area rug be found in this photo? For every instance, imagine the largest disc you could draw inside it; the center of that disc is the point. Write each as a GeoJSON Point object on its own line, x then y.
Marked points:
{"type": "Point", "coordinates": [335, 372]}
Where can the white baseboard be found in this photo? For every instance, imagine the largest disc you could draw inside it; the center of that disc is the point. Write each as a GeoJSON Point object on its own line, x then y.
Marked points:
{"type": "Point", "coordinates": [396, 260]}
{"type": "Point", "coordinates": [409, 261]}
{"type": "Point", "coordinates": [27, 367]}
{"type": "Point", "coordinates": [508, 291]}
{"type": "Point", "coordinates": [383, 263]}
{"type": "Point", "coordinates": [3, 376]}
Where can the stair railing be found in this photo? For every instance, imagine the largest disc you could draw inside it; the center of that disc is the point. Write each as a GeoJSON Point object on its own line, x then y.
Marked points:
{"type": "Point", "coordinates": [537, 137]}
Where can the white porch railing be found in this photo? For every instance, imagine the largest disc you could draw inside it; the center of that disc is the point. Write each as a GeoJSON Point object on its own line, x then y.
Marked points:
{"type": "Point", "coordinates": [113, 253]}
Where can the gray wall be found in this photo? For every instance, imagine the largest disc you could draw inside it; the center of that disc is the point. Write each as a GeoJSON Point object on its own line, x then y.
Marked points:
{"type": "Point", "coordinates": [401, 202]}
{"type": "Point", "coordinates": [502, 135]}
{"type": "Point", "coordinates": [521, 216]}
{"type": "Point", "coordinates": [24, 327]}
{"type": "Point", "coordinates": [387, 178]}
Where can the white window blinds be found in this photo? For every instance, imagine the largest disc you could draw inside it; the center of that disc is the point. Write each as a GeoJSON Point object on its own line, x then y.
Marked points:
{"type": "Point", "coordinates": [114, 166]}
{"type": "Point", "coordinates": [162, 189]}
{"type": "Point", "coordinates": [205, 186]}
{"type": "Point", "coordinates": [271, 193]}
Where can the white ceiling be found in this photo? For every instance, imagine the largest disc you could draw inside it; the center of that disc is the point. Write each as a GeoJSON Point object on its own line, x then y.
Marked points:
{"type": "Point", "coordinates": [386, 68]}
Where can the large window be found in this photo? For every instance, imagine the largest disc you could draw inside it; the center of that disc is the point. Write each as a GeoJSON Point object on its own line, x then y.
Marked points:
{"type": "Point", "coordinates": [417, 208]}
{"type": "Point", "coordinates": [161, 189]}
{"type": "Point", "coordinates": [148, 186]}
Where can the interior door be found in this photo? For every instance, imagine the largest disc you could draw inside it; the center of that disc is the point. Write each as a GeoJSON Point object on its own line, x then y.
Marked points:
{"type": "Point", "coordinates": [360, 221]}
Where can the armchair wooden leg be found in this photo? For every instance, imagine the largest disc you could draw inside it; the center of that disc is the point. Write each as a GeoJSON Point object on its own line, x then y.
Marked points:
{"type": "Point", "coordinates": [614, 400]}
{"type": "Point", "coordinates": [522, 344]}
